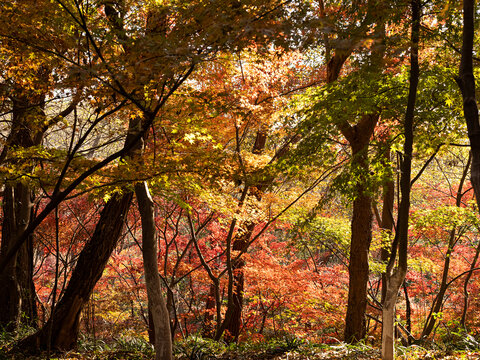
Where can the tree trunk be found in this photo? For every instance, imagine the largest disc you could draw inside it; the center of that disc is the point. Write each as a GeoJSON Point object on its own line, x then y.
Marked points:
{"type": "Point", "coordinates": [396, 277]}
{"type": "Point", "coordinates": [466, 82]}
{"type": "Point", "coordinates": [361, 225]}
{"type": "Point", "coordinates": [88, 269]}
{"type": "Point", "coordinates": [208, 329]}
{"type": "Point", "coordinates": [87, 272]}
{"type": "Point", "coordinates": [18, 297]}
{"type": "Point", "coordinates": [438, 302]}
{"type": "Point", "coordinates": [387, 222]}
{"type": "Point", "coordinates": [233, 315]}
{"type": "Point", "coordinates": [358, 137]}
{"type": "Point", "coordinates": [393, 283]}
{"type": "Point", "coordinates": [161, 318]}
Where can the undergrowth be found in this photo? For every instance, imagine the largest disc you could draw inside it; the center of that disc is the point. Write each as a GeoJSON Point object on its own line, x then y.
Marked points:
{"type": "Point", "coordinates": [287, 347]}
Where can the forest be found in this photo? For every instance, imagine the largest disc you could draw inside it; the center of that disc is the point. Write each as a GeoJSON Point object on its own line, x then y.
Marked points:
{"type": "Point", "coordinates": [239, 179]}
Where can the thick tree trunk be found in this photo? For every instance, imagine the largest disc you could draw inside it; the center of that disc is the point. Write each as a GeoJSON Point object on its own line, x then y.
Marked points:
{"type": "Point", "coordinates": [17, 300]}
{"type": "Point", "coordinates": [361, 237]}
{"type": "Point", "coordinates": [161, 318]}
{"type": "Point", "coordinates": [87, 272]}
{"type": "Point", "coordinates": [358, 137]}
{"type": "Point", "coordinates": [88, 269]}
{"type": "Point", "coordinates": [10, 297]}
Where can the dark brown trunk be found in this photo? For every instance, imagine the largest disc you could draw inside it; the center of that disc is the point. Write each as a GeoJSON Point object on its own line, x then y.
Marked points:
{"type": "Point", "coordinates": [17, 300]}
{"type": "Point", "coordinates": [87, 272]}
{"type": "Point", "coordinates": [358, 137]}
{"type": "Point", "coordinates": [361, 227]}
{"type": "Point", "coordinates": [88, 269]}
{"type": "Point", "coordinates": [151, 327]}
{"type": "Point", "coordinates": [233, 315]}
{"type": "Point", "coordinates": [358, 270]}
{"type": "Point", "coordinates": [10, 297]}
{"type": "Point", "coordinates": [408, 314]}
{"type": "Point", "coordinates": [208, 330]}
{"type": "Point", "coordinates": [466, 82]}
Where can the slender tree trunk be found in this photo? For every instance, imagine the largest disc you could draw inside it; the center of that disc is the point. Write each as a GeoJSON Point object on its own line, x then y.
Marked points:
{"type": "Point", "coordinates": [396, 277]}
{"type": "Point", "coordinates": [233, 315]}
{"type": "Point", "coordinates": [387, 222]}
{"type": "Point", "coordinates": [438, 302]}
{"type": "Point", "coordinates": [465, 287]}
{"type": "Point", "coordinates": [393, 283]}
{"type": "Point", "coordinates": [466, 82]}
{"type": "Point", "coordinates": [161, 318]}
{"type": "Point", "coordinates": [408, 314]}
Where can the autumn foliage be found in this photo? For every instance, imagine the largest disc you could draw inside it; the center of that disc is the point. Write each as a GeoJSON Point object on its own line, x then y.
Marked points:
{"type": "Point", "coordinates": [271, 140]}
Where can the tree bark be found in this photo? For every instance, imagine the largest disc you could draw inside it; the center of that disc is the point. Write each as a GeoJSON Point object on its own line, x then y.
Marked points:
{"type": "Point", "coordinates": [396, 277]}
{"type": "Point", "coordinates": [438, 302]}
{"type": "Point", "coordinates": [161, 318]}
{"type": "Point", "coordinates": [393, 284]}
{"type": "Point", "coordinates": [233, 316]}
{"type": "Point", "coordinates": [88, 269]}
{"type": "Point", "coordinates": [87, 272]}
{"type": "Point", "coordinates": [361, 227]}
{"type": "Point", "coordinates": [466, 82]}
{"type": "Point", "coordinates": [17, 300]}
{"type": "Point", "coordinates": [358, 137]}
{"type": "Point", "coordinates": [387, 222]}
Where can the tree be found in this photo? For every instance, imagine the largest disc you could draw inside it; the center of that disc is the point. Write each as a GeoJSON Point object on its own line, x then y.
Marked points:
{"type": "Point", "coordinates": [396, 276]}
{"type": "Point", "coordinates": [25, 90]}
{"type": "Point", "coordinates": [358, 136]}
{"type": "Point", "coordinates": [466, 83]}
{"type": "Point", "coordinates": [169, 52]}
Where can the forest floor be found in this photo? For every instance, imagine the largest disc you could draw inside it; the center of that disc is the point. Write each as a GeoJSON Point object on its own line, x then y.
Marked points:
{"type": "Point", "coordinates": [288, 348]}
{"type": "Point", "coordinates": [325, 354]}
